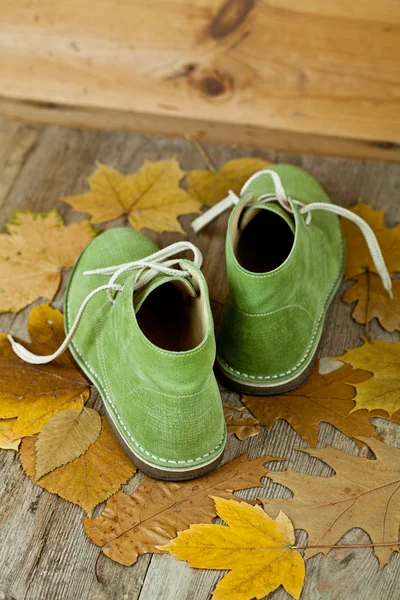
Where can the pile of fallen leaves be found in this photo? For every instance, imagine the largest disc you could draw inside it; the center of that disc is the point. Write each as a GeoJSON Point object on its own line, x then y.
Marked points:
{"type": "Point", "coordinates": [68, 449]}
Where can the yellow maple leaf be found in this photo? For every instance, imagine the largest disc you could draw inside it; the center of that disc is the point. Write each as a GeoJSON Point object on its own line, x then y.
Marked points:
{"type": "Point", "coordinates": [209, 187]}
{"type": "Point", "coordinates": [382, 391]}
{"type": "Point", "coordinates": [34, 393]}
{"type": "Point", "coordinates": [256, 549]}
{"type": "Point", "coordinates": [37, 247]}
{"type": "Point", "coordinates": [149, 198]}
{"type": "Point", "coordinates": [89, 479]}
{"type": "Point", "coordinates": [7, 441]}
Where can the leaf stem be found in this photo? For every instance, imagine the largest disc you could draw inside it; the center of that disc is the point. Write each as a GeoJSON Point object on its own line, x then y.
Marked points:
{"type": "Point", "coordinates": [371, 545]}
{"type": "Point", "coordinates": [201, 151]}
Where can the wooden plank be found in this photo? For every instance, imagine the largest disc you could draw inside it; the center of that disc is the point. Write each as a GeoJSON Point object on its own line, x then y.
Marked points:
{"type": "Point", "coordinates": [210, 131]}
{"type": "Point", "coordinates": [44, 553]}
{"type": "Point", "coordinates": [16, 141]}
{"type": "Point", "coordinates": [328, 70]}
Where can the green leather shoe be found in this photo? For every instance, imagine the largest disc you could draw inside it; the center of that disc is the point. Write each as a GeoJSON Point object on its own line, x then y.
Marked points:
{"type": "Point", "coordinates": [142, 331]}
{"type": "Point", "coordinates": [285, 260]}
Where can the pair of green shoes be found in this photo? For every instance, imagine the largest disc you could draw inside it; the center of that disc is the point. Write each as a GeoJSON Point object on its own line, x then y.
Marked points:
{"type": "Point", "coordinates": [138, 319]}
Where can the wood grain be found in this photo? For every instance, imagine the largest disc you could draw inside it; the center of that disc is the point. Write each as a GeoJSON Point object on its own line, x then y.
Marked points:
{"type": "Point", "coordinates": [322, 69]}
{"type": "Point", "coordinates": [44, 554]}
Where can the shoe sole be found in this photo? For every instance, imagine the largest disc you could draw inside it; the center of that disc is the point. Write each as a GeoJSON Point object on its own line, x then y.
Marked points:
{"type": "Point", "coordinates": [270, 390]}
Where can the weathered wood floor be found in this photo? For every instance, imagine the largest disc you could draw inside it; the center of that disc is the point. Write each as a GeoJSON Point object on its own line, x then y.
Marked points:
{"type": "Point", "coordinates": [44, 553]}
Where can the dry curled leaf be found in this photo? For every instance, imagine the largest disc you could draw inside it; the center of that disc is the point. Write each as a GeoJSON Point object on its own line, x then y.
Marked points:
{"type": "Point", "coordinates": [372, 300]}
{"type": "Point", "coordinates": [149, 198]}
{"type": "Point", "coordinates": [37, 247]}
{"type": "Point", "coordinates": [34, 393]}
{"type": "Point", "coordinates": [240, 422]}
{"type": "Point", "coordinates": [7, 441]}
{"type": "Point", "coordinates": [89, 479]}
{"type": "Point", "coordinates": [382, 391]}
{"type": "Point", "coordinates": [65, 437]}
{"type": "Point", "coordinates": [321, 398]}
{"type": "Point", "coordinates": [209, 187]}
{"type": "Point", "coordinates": [137, 524]}
{"type": "Point", "coordinates": [256, 549]}
{"type": "Point", "coordinates": [363, 493]}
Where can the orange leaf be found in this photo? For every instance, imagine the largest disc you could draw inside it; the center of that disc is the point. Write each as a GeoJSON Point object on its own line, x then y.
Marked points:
{"type": "Point", "coordinates": [89, 479]}
{"type": "Point", "coordinates": [373, 301]}
{"type": "Point", "coordinates": [34, 393]}
{"type": "Point", "coordinates": [321, 398]}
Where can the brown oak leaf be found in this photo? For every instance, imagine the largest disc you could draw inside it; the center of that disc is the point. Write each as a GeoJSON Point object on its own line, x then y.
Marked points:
{"type": "Point", "coordinates": [363, 493]}
{"type": "Point", "coordinates": [137, 524]}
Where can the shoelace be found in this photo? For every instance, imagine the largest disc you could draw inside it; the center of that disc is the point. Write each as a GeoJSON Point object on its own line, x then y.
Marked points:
{"type": "Point", "coordinates": [151, 266]}
{"type": "Point", "coordinates": [304, 209]}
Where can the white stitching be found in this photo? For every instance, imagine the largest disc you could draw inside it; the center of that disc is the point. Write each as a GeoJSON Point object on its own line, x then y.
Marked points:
{"type": "Point", "coordinates": [96, 377]}
{"type": "Point", "coordinates": [273, 311]}
{"type": "Point", "coordinates": [307, 351]}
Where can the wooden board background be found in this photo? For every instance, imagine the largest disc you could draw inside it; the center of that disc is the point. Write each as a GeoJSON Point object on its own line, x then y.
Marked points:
{"type": "Point", "coordinates": [321, 76]}
{"type": "Point", "coordinates": [44, 554]}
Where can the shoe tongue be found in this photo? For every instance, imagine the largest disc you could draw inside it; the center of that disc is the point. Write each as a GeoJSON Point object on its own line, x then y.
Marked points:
{"type": "Point", "coordinates": [182, 282]}
{"type": "Point", "coordinates": [251, 211]}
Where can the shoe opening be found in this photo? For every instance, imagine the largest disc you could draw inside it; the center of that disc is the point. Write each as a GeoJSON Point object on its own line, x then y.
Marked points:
{"type": "Point", "coordinates": [172, 319]}
{"type": "Point", "coordinates": [265, 242]}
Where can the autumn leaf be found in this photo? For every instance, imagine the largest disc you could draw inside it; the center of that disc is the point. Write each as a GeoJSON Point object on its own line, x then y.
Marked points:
{"type": "Point", "coordinates": [359, 258]}
{"type": "Point", "coordinates": [7, 441]}
{"type": "Point", "coordinates": [373, 300]}
{"type": "Point", "coordinates": [382, 391]}
{"type": "Point", "coordinates": [256, 549]}
{"type": "Point", "coordinates": [149, 198]}
{"type": "Point", "coordinates": [321, 398]}
{"type": "Point", "coordinates": [88, 480]}
{"type": "Point", "coordinates": [34, 393]}
{"type": "Point", "coordinates": [363, 493]}
{"type": "Point", "coordinates": [240, 422]}
{"type": "Point", "coordinates": [137, 524]}
{"type": "Point", "coordinates": [209, 187]}
{"type": "Point", "coordinates": [65, 437]}
{"type": "Point", "coordinates": [37, 247]}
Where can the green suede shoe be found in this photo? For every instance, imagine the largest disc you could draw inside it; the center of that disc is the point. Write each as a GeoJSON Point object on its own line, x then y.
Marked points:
{"type": "Point", "coordinates": [285, 259]}
{"type": "Point", "coordinates": [142, 331]}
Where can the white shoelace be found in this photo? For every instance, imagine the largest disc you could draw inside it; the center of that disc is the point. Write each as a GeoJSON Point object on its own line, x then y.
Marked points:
{"type": "Point", "coordinates": [304, 209]}
{"type": "Point", "coordinates": [151, 266]}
